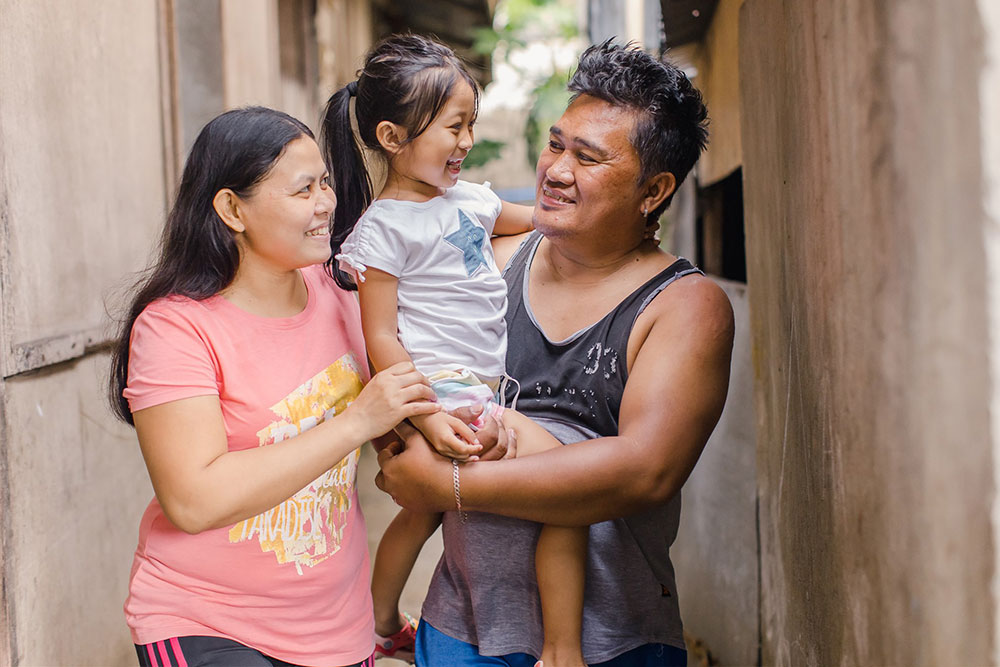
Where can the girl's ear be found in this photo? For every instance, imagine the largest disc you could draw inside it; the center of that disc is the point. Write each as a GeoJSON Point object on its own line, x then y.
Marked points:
{"type": "Point", "coordinates": [226, 205]}
{"type": "Point", "coordinates": [390, 136]}
{"type": "Point", "coordinates": [657, 189]}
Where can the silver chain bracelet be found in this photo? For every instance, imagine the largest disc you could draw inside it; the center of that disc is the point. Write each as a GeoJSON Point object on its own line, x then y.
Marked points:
{"type": "Point", "coordinates": [458, 489]}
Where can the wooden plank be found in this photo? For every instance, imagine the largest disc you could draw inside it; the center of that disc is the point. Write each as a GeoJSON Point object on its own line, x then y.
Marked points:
{"type": "Point", "coordinates": [36, 354]}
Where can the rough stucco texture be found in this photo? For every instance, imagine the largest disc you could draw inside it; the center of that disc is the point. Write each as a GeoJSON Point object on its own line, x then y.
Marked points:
{"type": "Point", "coordinates": [866, 273]}
{"type": "Point", "coordinates": [716, 552]}
{"type": "Point", "coordinates": [77, 490]}
{"type": "Point", "coordinates": [82, 158]}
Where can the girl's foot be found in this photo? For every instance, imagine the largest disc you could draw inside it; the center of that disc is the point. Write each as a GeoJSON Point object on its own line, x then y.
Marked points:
{"type": "Point", "coordinates": [400, 645]}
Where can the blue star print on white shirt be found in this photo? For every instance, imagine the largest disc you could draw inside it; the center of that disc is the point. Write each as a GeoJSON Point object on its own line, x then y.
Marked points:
{"type": "Point", "coordinates": [469, 239]}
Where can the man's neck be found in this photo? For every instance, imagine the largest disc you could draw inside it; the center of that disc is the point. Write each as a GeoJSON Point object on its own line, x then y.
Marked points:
{"type": "Point", "coordinates": [572, 264]}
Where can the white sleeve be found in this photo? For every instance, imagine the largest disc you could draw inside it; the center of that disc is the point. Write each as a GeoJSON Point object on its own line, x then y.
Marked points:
{"type": "Point", "coordinates": [376, 243]}
{"type": "Point", "coordinates": [490, 204]}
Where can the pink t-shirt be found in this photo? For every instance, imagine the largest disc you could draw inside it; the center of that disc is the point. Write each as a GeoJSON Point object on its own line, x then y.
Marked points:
{"type": "Point", "coordinates": [291, 582]}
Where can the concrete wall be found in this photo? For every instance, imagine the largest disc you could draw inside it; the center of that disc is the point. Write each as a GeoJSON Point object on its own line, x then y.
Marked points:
{"type": "Point", "coordinates": [716, 554]}
{"type": "Point", "coordinates": [82, 191]}
{"type": "Point", "coordinates": [100, 103]}
{"type": "Point", "coordinates": [718, 79]}
{"type": "Point", "coordinates": [864, 192]}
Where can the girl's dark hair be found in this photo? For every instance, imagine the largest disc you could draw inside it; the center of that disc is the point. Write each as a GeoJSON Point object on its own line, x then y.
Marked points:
{"type": "Point", "coordinates": [672, 129]}
{"type": "Point", "coordinates": [406, 80]}
{"type": "Point", "coordinates": [198, 256]}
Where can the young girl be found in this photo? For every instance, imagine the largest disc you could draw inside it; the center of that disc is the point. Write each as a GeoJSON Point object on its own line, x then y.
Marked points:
{"type": "Point", "coordinates": [430, 293]}
{"type": "Point", "coordinates": [240, 363]}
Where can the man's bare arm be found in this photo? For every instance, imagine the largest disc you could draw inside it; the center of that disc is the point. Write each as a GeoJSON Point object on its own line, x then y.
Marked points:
{"type": "Point", "coordinates": [675, 392]}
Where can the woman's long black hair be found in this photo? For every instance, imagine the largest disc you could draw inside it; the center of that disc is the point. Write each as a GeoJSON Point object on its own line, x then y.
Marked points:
{"type": "Point", "coordinates": [406, 80]}
{"type": "Point", "coordinates": [198, 255]}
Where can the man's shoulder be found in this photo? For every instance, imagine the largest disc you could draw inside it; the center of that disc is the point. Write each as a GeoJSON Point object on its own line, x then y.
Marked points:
{"type": "Point", "coordinates": [693, 304]}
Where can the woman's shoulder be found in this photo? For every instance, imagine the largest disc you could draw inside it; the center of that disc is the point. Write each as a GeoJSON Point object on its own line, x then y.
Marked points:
{"type": "Point", "coordinates": [321, 283]}
{"type": "Point", "coordinates": [178, 306]}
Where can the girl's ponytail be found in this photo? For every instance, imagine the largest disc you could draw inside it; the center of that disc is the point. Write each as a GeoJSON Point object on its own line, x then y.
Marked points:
{"type": "Point", "coordinates": [352, 183]}
{"type": "Point", "coordinates": [406, 80]}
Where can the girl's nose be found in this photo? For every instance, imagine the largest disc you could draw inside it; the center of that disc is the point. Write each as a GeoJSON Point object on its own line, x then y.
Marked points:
{"type": "Point", "coordinates": [466, 140]}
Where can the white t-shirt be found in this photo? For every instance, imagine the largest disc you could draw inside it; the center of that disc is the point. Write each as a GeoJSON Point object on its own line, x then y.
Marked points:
{"type": "Point", "coordinates": [451, 298]}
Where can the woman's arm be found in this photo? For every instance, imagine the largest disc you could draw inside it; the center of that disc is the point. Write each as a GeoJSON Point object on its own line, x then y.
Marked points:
{"type": "Point", "coordinates": [202, 485]}
{"type": "Point", "coordinates": [514, 219]}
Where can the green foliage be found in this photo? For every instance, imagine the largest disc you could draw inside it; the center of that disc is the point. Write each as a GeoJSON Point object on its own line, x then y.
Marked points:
{"type": "Point", "coordinates": [527, 22]}
{"type": "Point", "coordinates": [551, 98]}
{"type": "Point", "coordinates": [482, 152]}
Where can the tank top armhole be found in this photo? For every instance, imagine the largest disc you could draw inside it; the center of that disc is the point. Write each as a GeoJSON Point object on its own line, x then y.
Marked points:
{"type": "Point", "coordinates": [515, 261]}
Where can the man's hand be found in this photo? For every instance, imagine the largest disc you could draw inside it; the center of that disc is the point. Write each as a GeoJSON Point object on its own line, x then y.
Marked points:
{"type": "Point", "coordinates": [419, 478]}
{"type": "Point", "coordinates": [497, 442]}
{"type": "Point", "coordinates": [416, 476]}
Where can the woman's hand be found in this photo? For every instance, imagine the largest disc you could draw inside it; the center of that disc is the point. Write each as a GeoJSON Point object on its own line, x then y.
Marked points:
{"type": "Point", "coordinates": [397, 393]}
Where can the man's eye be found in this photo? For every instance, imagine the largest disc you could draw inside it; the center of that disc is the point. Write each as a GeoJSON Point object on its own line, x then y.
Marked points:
{"type": "Point", "coordinates": [554, 147]}
{"type": "Point", "coordinates": [586, 158]}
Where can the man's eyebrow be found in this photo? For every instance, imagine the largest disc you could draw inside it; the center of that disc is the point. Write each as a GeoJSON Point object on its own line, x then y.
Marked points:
{"type": "Point", "coordinates": [583, 142]}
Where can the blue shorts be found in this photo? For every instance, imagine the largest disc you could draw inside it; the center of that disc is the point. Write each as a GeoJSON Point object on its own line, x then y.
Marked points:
{"type": "Point", "coordinates": [434, 649]}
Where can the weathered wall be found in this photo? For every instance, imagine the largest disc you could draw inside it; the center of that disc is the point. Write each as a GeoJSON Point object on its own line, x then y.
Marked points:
{"type": "Point", "coordinates": [716, 553]}
{"type": "Point", "coordinates": [864, 217]}
{"type": "Point", "coordinates": [718, 79]}
{"type": "Point", "coordinates": [989, 103]}
{"type": "Point", "coordinates": [82, 190]}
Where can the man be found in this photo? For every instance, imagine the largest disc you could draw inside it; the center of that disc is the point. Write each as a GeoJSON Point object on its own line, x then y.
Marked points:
{"type": "Point", "coordinates": [622, 351]}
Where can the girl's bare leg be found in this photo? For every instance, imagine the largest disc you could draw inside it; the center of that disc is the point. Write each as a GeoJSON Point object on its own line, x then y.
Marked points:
{"type": "Point", "coordinates": [559, 565]}
{"type": "Point", "coordinates": [397, 552]}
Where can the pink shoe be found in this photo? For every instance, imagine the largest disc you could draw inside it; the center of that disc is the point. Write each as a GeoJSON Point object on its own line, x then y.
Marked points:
{"type": "Point", "coordinates": [400, 645]}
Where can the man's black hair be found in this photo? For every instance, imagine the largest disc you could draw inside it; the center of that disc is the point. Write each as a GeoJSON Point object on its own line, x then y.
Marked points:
{"type": "Point", "coordinates": [671, 130]}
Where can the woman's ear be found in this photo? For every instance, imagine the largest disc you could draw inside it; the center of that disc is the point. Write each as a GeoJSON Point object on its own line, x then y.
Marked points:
{"type": "Point", "coordinates": [656, 190]}
{"type": "Point", "coordinates": [226, 204]}
{"type": "Point", "coordinates": [390, 136]}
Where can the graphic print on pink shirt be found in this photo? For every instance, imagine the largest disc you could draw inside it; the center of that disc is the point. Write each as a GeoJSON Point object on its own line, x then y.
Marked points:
{"type": "Point", "coordinates": [308, 528]}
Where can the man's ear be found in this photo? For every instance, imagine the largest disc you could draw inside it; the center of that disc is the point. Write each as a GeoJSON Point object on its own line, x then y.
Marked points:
{"type": "Point", "coordinates": [656, 190]}
{"type": "Point", "coordinates": [226, 204]}
{"type": "Point", "coordinates": [390, 136]}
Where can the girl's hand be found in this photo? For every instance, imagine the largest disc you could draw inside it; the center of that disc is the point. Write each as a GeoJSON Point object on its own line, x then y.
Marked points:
{"type": "Point", "coordinates": [449, 435]}
{"type": "Point", "coordinates": [397, 393]}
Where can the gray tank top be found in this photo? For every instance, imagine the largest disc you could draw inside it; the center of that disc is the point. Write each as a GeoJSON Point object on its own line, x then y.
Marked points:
{"type": "Point", "coordinates": [484, 590]}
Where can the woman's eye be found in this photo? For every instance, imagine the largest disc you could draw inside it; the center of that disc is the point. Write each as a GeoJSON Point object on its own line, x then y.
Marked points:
{"type": "Point", "coordinates": [324, 182]}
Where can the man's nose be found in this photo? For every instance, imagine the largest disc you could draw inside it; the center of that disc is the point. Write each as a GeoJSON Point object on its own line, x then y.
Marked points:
{"type": "Point", "coordinates": [561, 169]}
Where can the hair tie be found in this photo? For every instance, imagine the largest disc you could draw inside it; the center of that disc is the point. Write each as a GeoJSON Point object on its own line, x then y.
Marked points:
{"type": "Point", "coordinates": [352, 88]}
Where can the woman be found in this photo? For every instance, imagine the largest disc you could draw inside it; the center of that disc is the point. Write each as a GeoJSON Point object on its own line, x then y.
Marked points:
{"type": "Point", "coordinates": [242, 367]}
